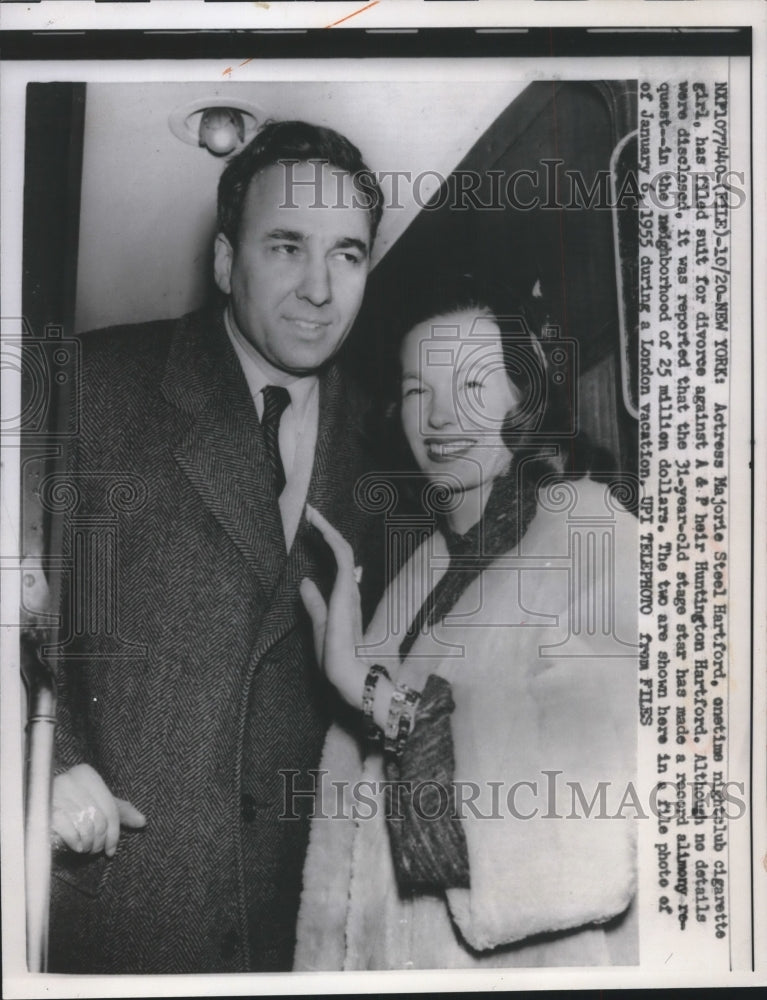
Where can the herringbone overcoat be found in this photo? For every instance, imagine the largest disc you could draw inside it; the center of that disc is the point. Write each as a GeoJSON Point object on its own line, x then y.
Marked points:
{"type": "Point", "coordinates": [186, 671]}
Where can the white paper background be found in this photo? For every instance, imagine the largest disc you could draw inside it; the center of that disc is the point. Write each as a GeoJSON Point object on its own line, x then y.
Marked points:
{"type": "Point", "coordinates": [691, 970]}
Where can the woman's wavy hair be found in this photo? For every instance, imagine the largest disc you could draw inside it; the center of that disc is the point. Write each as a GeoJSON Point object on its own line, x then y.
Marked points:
{"type": "Point", "coordinates": [540, 427]}
{"type": "Point", "coordinates": [520, 319]}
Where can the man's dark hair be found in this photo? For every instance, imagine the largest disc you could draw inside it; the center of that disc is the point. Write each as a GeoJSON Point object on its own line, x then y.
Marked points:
{"type": "Point", "coordinates": [296, 142]}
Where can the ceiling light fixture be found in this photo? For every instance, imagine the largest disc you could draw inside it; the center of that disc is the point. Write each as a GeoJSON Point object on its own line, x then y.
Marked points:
{"type": "Point", "coordinates": [220, 125]}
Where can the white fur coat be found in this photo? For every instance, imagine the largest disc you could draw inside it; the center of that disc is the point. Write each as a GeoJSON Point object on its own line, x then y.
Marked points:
{"type": "Point", "coordinates": [539, 652]}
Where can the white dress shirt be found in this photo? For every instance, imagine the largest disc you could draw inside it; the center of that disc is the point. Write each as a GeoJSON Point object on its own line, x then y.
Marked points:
{"type": "Point", "coordinates": [298, 425]}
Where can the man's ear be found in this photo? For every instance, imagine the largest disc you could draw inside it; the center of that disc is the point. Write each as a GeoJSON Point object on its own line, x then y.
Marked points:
{"type": "Point", "coordinates": [223, 255]}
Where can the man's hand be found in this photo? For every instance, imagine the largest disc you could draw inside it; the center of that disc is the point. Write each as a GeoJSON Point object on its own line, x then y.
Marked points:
{"type": "Point", "coordinates": [86, 816]}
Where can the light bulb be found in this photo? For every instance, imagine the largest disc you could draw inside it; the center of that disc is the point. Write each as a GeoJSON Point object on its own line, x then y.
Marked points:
{"type": "Point", "coordinates": [221, 130]}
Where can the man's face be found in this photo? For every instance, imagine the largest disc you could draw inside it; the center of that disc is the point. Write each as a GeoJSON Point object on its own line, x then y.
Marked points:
{"type": "Point", "coordinates": [297, 274]}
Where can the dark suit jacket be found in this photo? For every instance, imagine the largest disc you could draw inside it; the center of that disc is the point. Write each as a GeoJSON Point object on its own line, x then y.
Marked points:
{"type": "Point", "coordinates": [186, 671]}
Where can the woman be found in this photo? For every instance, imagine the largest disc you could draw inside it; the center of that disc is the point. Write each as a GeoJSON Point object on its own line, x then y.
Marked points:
{"type": "Point", "coordinates": [487, 830]}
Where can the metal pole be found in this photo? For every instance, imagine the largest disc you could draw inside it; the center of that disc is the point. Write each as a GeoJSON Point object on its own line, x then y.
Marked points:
{"type": "Point", "coordinates": [41, 690]}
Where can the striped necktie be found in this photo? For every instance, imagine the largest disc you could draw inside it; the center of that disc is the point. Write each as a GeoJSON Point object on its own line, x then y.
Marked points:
{"type": "Point", "coordinates": [276, 398]}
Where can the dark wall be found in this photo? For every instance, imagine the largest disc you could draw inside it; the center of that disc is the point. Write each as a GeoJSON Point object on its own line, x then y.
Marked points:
{"type": "Point", "coordinates": [52, 175]}
{"type": "Point", "coordinates": [52, 180]}
{"type": "Point", "coordinates": [565, 241]}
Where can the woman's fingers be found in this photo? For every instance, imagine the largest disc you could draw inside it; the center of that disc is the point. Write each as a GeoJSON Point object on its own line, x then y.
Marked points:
{"type": "Point", "coordinates": [317, 611]}
{"type": "Point", "coordinates": [337, 624]}
{"type": "Point", "coordinates": [314, 603]}
{"type": "Point", "coordinates": [341, 549]}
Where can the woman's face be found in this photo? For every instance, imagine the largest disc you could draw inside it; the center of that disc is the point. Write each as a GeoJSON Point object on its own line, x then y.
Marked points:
{"type": "Point", "coordinates": [455, 396]}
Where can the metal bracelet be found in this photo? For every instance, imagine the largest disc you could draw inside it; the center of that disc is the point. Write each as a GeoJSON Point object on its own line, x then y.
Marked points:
{"type": "Point", "coordinates": [401, 719]}
{"type": "Point", "coordinates": [372, 732]}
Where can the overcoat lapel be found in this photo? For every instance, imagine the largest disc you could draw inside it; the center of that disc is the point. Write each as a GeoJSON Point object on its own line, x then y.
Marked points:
{"type": "Point", "coordinates": [327, 488]}
{"type": "Point", "coordinates": [220, 445]}
{"type": "Point", "coordinates": [331, 492]}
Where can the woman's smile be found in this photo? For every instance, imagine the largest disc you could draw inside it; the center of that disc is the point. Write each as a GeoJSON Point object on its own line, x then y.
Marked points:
{"type": "Point", "coordinates": [445, 449]}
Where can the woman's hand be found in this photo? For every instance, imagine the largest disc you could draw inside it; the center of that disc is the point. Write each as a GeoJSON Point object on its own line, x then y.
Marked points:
{"type": "Point", "coordinates": [86, 817]}
{"type": "Point", "coordinates": [338, 625]}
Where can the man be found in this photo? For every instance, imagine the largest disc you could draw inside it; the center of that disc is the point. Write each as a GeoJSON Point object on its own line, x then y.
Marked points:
{"type": "Point", "coordinates": [181, 702]}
